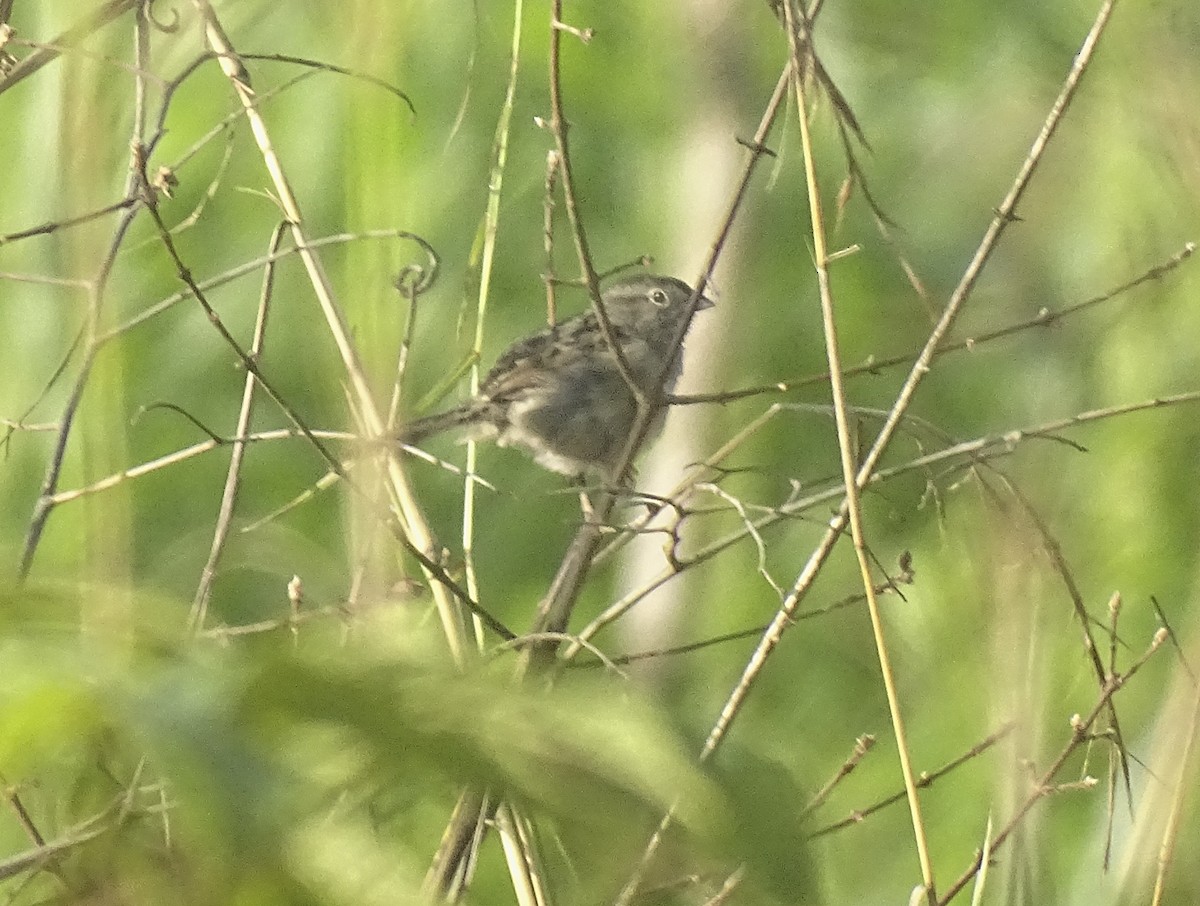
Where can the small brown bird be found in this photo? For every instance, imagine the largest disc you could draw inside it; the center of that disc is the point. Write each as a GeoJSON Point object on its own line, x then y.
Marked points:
{"type": "Point", "coordinates": [560, 393]}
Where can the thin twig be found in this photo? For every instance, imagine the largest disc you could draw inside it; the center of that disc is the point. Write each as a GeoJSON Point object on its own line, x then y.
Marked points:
{"type": "Point", "coordinates": [807, 576]}
{"type": "Point", "coordinates": [97, 290]}
{"type": "Point", "coordinates": [926, 780]}
{"type": "Point", "coordinates": [873, 366]}
{"type": "Point", "coordinates": [74, 35]}
{"type": "Point", "coordinates": [920, 368]}
{"type": "Point", "coordinates": [559, 130]}
{"type": "Point", "coordinates": [797, 30]}
{"type": "Point", "coordinates": [1045, 783]}
{"type": "Point", "coordinates": [233, 474]}
{"type": "Point", "coordinates": [418, 536]}
{"type": "Point", "coordinates": [862, 745]}
{"type": "Point", "coordinates": [1169, 843]}
{"type": "Point", "coordinates": [254, 266]}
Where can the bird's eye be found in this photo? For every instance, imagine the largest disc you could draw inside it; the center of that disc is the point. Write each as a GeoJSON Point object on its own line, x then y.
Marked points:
{"type": "Point", "coordinates": [658, 297]}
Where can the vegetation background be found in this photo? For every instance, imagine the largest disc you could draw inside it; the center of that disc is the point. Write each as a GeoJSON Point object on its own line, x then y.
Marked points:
{"type": "Point", "coordinates": [164, 740]}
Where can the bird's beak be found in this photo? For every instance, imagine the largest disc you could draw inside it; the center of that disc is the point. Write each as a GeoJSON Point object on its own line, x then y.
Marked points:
{"type": "Point", "coordinates": [704, 303]}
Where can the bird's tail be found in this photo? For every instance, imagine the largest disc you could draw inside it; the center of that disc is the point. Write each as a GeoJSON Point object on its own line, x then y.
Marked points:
{"type": "Point", "coordinates": [422, 428]}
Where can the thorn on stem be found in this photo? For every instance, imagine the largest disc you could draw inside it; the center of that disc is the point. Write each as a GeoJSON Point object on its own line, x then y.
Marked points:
{"type": "Point", "coordinates": [585, 35]}
{"type": "Point", "coordinates": [756, 147]}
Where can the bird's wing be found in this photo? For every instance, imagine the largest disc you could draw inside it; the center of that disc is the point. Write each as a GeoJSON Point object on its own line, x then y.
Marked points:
{"type": "Point", "coordinates": [533, 362]}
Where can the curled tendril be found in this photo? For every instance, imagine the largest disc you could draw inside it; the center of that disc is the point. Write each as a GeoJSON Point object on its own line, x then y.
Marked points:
{"type": "Point", "coordinates": [168, 26]}
{"type": "Point", "coordinates": [416, 279]}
